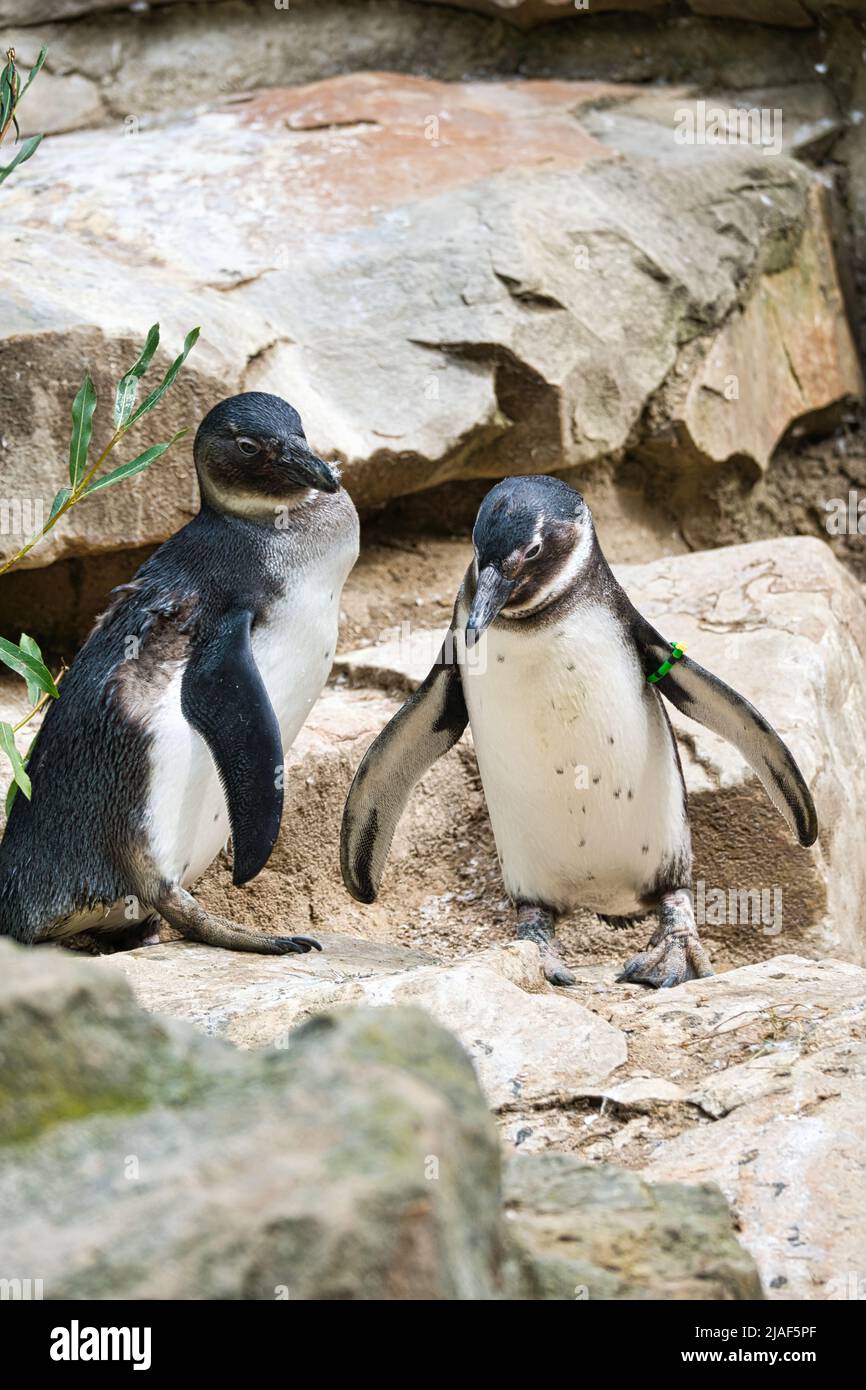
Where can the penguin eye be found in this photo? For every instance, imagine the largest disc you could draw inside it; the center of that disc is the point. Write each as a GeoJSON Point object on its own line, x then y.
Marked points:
{"type": "Point", "coordinates": [533, 551]}
{"type": "Point", "coordinates": [247, 446]}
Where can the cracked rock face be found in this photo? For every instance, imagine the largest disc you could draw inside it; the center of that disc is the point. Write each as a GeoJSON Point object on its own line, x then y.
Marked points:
{"type": "Point", "coordinates": [527, 13]}
{"type": "Point", "coordinates": [441, 277]}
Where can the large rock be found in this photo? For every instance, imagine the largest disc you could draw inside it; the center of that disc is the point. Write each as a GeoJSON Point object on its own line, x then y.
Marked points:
{"type": "Point", "coordinates": [359, 1163]}
{"type": "Point", "coordinates": [633, 1241]}
{"type": "Point", "coordinates": [527, 13]}
{"type": "Point", "coordinates": [752, 1080]}
{"type": "Point", "coordinates": [493, 347]}
{"type": "Point", "coordinates": [530, 1044]}
{"type": "Point", "coordinates": [523, 13]}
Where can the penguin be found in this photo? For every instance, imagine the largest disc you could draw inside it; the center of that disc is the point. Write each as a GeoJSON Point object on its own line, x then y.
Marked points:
{"type": "Point", "coordinates": [562, 681]}
{"type": "Point", "coordinates": [175, 717]}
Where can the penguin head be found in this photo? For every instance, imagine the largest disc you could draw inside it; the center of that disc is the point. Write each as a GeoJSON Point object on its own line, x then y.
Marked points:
{"type": "Point", "coordinates": [251, 455]}
{"type": "Point", "coordinates": [533, 536]}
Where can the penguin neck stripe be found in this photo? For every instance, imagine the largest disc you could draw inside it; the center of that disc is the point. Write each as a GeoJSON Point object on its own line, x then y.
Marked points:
{"type": "Point", "coordinates": [677, 650]}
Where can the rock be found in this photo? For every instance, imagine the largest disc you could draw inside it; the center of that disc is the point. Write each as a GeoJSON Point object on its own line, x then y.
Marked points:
{"type": "Point", "coordinates": [254, 1001]}
{"type": "Point", "coordinates": [180, 1177]}
{"type": "Point", "coordinates": [783, 623]}
{"type": "Point", "coordinates": [630, 1241]}
{"type": "Point", "coordinates": [387, 1189]}
{"type": "Point", "coordinates": [385, 1184]}
{"type": "Point", "coordinates": [65, 102]}
{"type": "Point", "coordinates": [34, 11]}
{"type": "Point", "coordinates": [786, 1146]}
{"type": "Point", "coordinates": [605, 231]}
{"type": "Point", "coordinates": [529, 1043]}
{"type": "Point", "coordinates": [72, 1044]}
{"type": "Point", "coordinates": [751, 1080]}
{"type": "Point", "coordinates": [527, 13]}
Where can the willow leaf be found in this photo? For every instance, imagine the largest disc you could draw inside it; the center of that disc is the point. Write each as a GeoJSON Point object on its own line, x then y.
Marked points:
{"type": "Point", "coordinates": [136, 465]}
{"type": "Point", "coordinates": [127, 387]}
{"type": "Point", "coordinates": [19, 772]}
{"type": "Point", "coordinates": [23, 664]}
{"type": "Point", "coordinates": [26, 150]}
{"type": "Point", "coordinates": [82, 427]}
{"type": "Point", "coordinates": [28, 645]}
{"type": "Point", "coordinates": [150, 401]}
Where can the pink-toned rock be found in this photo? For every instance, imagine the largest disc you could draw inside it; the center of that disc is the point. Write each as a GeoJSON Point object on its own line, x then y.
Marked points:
{"type": "Point", "coordinates": [448, 281]}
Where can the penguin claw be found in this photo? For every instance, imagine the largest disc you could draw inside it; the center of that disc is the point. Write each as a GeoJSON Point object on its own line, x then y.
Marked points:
{"type": "Point", "coordinates": [556, 973]}
{"type": "Point", "coordinates": [297, 944]}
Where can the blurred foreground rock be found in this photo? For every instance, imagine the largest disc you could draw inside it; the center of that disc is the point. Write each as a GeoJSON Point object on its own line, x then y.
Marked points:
{"type": "Point", "coordinates": [752, 1080]}
{"type": "Point", "coordinates": [360, 1162]}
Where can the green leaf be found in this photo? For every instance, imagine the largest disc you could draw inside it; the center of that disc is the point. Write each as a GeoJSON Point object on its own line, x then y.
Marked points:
{"type": "Point", "coordinates": [7, 743]}
{"type": "Point", "coordinates": [82, 427]}
{"type": "Point", "coordinates": [28, 645]}
{"type": "Point", "coordinates": [63, 495]}
{"type": "Point", "coordinates": [138, 465]}
{"type": "Point", "coordinates": [13, 786]}
{"type": "Point", "coordinates": [23, 664]}
{"type": "Point", "coordinates": [7, 94]}
{"type": "Point", "coordinates": [150, 401]}
{"type": "Point", "coordinates": [26, 150]}
{"type": "Point", "coordinates": [43, 54]}
{"type": "Point", "coordinates": [127, 387]}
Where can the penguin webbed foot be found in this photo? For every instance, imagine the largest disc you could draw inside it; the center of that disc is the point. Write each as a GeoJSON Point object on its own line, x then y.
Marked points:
{"type": "Point", "coordinates": [535, 923]}
{"type": "Point", "coordinates": [180, 909]}
{"type": "Point", "coordinates": [675, 952]}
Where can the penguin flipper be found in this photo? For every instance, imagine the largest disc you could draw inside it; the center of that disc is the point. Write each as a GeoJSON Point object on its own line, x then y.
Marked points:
{"type": "Point", "coordinates": [224, 698]}
{"type": "Point", "coordinates": [699, 694]}
{"type": "Point", "coordinates": [426, 726]}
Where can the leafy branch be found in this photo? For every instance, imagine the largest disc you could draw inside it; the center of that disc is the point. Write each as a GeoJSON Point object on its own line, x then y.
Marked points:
{"type": "Point", "coordinates": [25, 658]}
{"type": "Point", "coordinates": [11, 93]}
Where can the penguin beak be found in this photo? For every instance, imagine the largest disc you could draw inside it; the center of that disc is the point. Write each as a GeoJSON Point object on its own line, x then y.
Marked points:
{"type": "Point", "coordinates": [306, 469]}
{"type": "Point", "coordinates": [491, 595]}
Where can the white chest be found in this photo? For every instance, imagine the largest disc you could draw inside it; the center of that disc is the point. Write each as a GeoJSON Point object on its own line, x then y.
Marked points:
{"type": "Point", "coordinates": [575, 756]}
{"type": "Point", "coordinates": [293, 648]}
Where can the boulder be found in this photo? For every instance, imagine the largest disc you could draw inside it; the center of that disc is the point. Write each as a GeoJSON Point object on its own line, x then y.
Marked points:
{"type": "Point", "coordinates": [752, 1080]}
{"type": "Point", "coordinates": [530, 1043]}
{"type": "Point", "coordinates": [525, 14]}
{"type": "Point", "coordinates": [633, 1241]}
{"type": "Point", "coordinates": [358, 1163]}
{"type": "Point", "coordinates": [572, 227]}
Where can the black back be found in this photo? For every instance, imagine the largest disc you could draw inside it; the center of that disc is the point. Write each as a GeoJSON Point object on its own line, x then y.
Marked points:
{"type": "Point", "coordinates": [79, 843]}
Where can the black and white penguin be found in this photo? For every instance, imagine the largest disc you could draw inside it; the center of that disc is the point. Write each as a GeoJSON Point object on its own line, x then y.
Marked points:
{"type": "Point", "coordinates": [174, 718]}
{"type": "Point", "coordinates": [576, 753]}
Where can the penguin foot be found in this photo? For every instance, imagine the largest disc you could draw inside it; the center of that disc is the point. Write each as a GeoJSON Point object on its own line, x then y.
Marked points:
{"type": "Point", "coordinates": [180, 909]}
{"type": "Point", "coordinates": [675, 952]}
{"type": "Point", "coordinates": [535, 923]}
{"type": "Point", "coordinates": [670, 963]}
